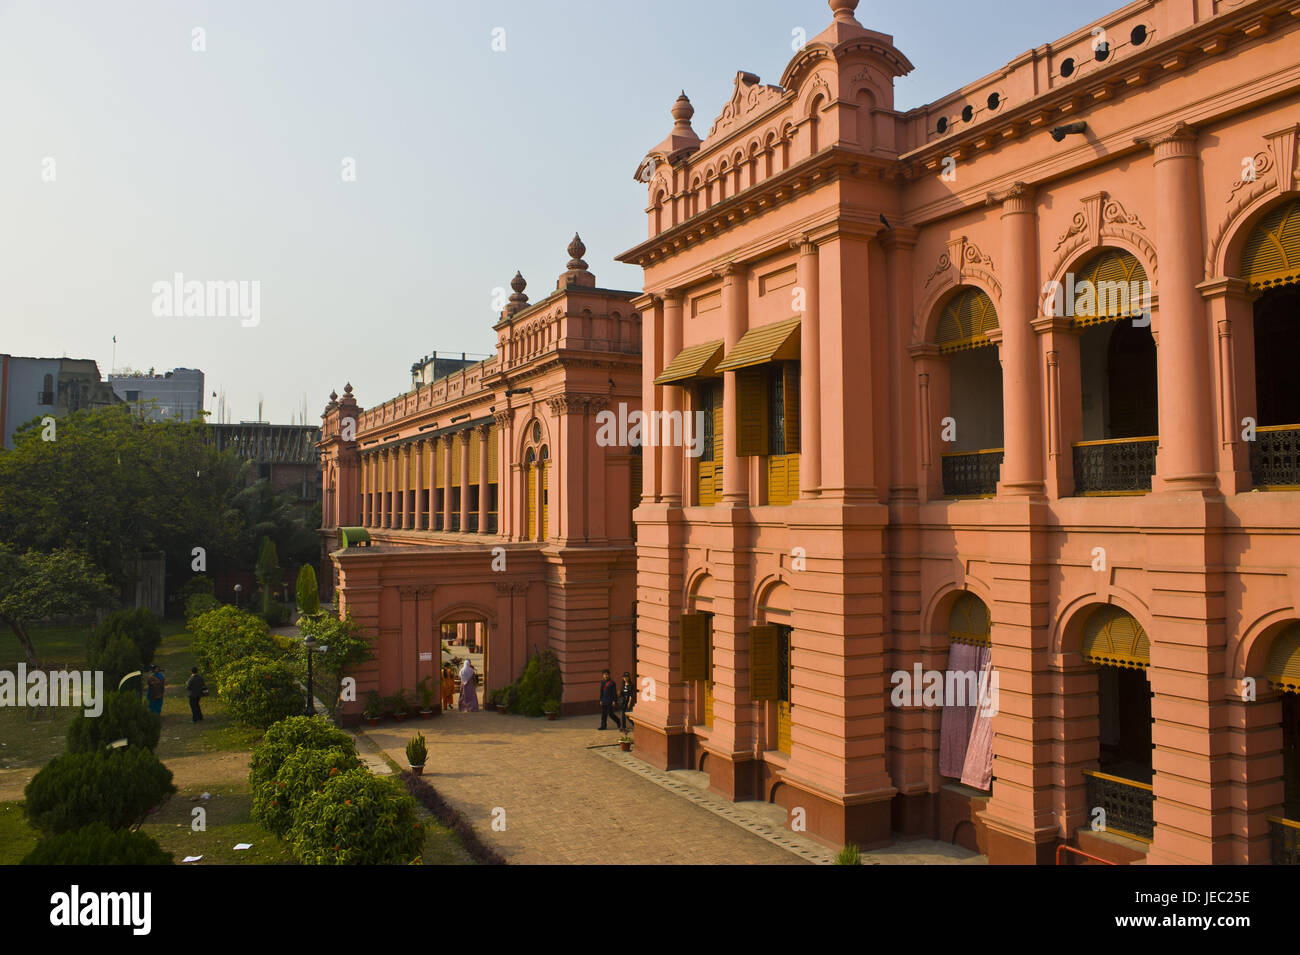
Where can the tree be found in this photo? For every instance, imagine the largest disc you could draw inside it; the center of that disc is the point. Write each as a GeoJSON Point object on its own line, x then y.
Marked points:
{"type": "Point", "coordinates": [268, 571]}
{"type": "Point", "coordinates": [36, 586]}
{"type": "Point", "coordinates": [308, 592]}
{"type": "Point", "coordinates": [345, 645]}
{"type": "Point", "coordinates": [139, 626]}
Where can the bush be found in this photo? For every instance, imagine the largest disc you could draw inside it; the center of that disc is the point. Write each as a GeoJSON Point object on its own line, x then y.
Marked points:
{"type": "Point", "coordinates": [97, 844]}
{"type": "Point", "coordinates": [116, 659]}
{"type": "Point", "coordinates": [259, 691]}
{"type": "Point", "coordinates": [347, 645]}
{"type": "Point", "coordinates": [276, 614]}
{"type": "Point", "coordinates": [137, 625]}
{"type": "Point", "coordinates": [199, 584]}
{"type": "Point", "coordinates": [304, 772]}
{"type": "Point", "coordinates": [357, 819]}
{"type": "Point", "coordinates": [289, 736]}
{"type": "Point", "coordinates": [116, 787]}
{"type": "Point", "coordinates": [228, 634]}
{"type": "Point", "coordinates": [308, 592]}
{"type": "Point", "coordinates": [125, 716]}
{"type": "Point", "coordinates": [198, 605]}
{"type": "Point", "coordinates": [541, 681]}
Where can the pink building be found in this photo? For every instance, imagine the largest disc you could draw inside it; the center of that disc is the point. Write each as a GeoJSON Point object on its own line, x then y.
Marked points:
{"type": "Point", "coordinates": [998, 382]}
{"type": "Point", "coordinates": [491, 509]}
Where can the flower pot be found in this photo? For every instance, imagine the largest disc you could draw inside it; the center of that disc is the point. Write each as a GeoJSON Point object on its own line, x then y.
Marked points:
{"type": "Point", "coordinates": [400, 716]}
{"type": "Point", "coordinates": [372, 720]}
{"type": "Point", "coordinates": [625, 746]}
{"type": "Point", "coordinates": [501, 708]}
{"type": "Point", "coordinates": [418, 770]}
{"type": "Point", "coordinates": [550, 716]}
{"type": "Point", "coordinates": [426, 714]}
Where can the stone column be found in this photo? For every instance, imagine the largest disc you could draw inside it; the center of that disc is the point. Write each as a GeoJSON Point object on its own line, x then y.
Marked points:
{"type": "Point", "coordinates": [672, 406]}
{"type": "Point", "coordinates": [1232, 310]}
{"type": "Point", "coordinates": [1184, 461]}
{"type": "Point", "coordinates": [365, 490]}
{"type": "Point", "coordinates": [421, 511]}
{"type": "Point", "coordinates": [1063, 399]}
{"type": "Point", "coordinates": [898, 244]}
{"type": "Point", "coordinates": [1022, 464]}
{"type": "Point", "coordinates": [385, 498]}
{"type": "Point", "coordinates": [463, 434]}
{"type": "Point", "coordinates": [404, 487]}
{"type": "Point", "coordinates": [484, 437]}
{"type": "Point", "coordinates": [505, 474]}
{"type": "Point", "coordinates": [735, 469]}
{"type": "Point", "coordinates": [810, 382]}
{"type": "Point", "coordinates": [448, 482]}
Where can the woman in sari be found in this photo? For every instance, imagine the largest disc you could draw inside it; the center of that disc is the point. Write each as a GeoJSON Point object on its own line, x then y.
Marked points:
{"type": "Point", "coordinates": [468, 690]}
{"type": "Point", "coordinates": [448, 686]}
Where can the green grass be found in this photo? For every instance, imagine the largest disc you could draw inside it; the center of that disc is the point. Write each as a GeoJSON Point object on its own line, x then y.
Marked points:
{"type": "Point", "coordinates": [16, 837]}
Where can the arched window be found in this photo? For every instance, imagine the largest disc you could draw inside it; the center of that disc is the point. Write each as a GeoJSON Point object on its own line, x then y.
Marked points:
{"type": "Point", "coordinates": [1270, 264]}
{"type": "Point", "coordinates": [530, 484]}
{"type": "Point", "coordinates": [965, 728]}
{"type": "Point", "coordinates": [972, 435]}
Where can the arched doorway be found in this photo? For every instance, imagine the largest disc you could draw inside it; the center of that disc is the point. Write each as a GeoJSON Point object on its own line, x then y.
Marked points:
{"type": "Point", "coordinates": [971, 429]}
{"type": "Point", "coordinates": [1270, 264]}
{"type": "Point", "coordinates": [965, 727]}
{"type": "Point", "coordinates": [463, 637]}
{"type": "Point", "coordinates": [1117, 376]}
{"type": "Point", "coordinates": [1117, 647]}
{"type": "Point", "coordinates": [1283, 673]}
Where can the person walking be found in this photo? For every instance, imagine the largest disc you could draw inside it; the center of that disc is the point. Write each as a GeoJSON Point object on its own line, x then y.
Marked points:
{"type": "Point", "coordinates": [626, 697]}
{"type": "Point", "coordinates": [448, 686]}
{"type": "Point", "coordinates": [156, 689]}
{"type": "Point", "coordinates": [195, 689]}
{"type": "Point", "coordinates": [608, 699]}
{"type": "Point", "coordinates": [468, 688]}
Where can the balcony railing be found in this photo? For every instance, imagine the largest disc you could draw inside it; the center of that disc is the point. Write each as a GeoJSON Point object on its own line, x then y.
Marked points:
{"type": "Point", "coordinates": [972, 473]}
{"type": "Point", "coordinates": [1115, 466]}
{"type": "Point", "coordinates": [492, 523]}
{"type": "Point", "coordinates": [1128, 804]}
{"type": "Point", "coordinates": [1275, 456]}
{"type": "Point", "coordinates": [1285, 835]}
{"type": "Point", "coordinates": [473, 523]}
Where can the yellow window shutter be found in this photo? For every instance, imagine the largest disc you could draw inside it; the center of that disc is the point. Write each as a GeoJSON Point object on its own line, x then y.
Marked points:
{"type": "Point", "coordinates": [455, 460]}
{"type": "Point", "coordinates": [695, 633]}
{"type": "Point", "coordinates": [778, 489]}
{"type": "Point", "coordinates": [704, 481]}
{"type": "Point", "coordinates": [792, 476]}
{"type": "Point", "coordinates": [763, 677]}
{"type": "Point", "coordinates": [790, 388]}
{"type": "Point", "coordinates": [636, 479]}
{"type": "Point", "coordinates": [718, 418]}
{"type": "Point", "coordinates": [751, 412]}
{"type": "Point", "coordinates": [475, 450]}
{"type": "Point", "coordinates": [493, 440]}
{"type": "Point", "coordinates": [440, 470]}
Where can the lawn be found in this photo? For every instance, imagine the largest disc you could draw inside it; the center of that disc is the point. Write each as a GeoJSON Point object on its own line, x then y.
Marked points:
{"type": "Point", "coordinates": [29, 739]}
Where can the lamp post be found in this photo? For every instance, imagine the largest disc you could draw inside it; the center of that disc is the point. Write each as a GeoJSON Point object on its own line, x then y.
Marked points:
{"type": "Point", "coordinates": [238, 588]}
{"type": "Point", "coordinates": [310, 643]}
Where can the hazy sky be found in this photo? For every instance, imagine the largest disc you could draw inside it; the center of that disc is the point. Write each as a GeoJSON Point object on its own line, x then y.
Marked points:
{"type": "Point", "coordinates": [227, 164]}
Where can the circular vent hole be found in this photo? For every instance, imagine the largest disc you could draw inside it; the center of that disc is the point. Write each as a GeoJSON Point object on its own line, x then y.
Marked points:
{"type": "Point", "coordinates": [968, 114]}
{"type": "Point", "coordinates": [1138, 36]}
{"type": "Point", "coordinates": [1067, 66]}
{"type": "Point", "coordinates": [1102, 51]}
{"type": "Point", "coordinates": [942, 125]}
{"type": "Point", "coordinates": [994, 101]}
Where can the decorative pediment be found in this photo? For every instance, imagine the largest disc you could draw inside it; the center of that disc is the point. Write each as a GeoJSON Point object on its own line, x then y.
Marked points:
{"type": "Point", "coordinates": [1098, 211]}
{"type": "Point", "coordinates": [747, 99]}
{"type": "Point", "coordinates": [962, 254]}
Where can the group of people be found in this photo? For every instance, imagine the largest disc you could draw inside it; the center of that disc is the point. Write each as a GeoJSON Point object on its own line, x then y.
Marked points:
{"type": "Point", "coordinates": [156, 687]}
{"type": "Point", "coordinates": [468, 686]}
{"type": "Point", "coordinates": [616, 700]}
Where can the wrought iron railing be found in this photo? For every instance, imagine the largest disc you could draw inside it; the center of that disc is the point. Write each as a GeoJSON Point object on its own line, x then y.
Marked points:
{"type": "Point", "coordinates": [972, 473]}
{"type": "Point", "coordinates": [1115, 466]}
{"type": "Point", "coordinates": [1275, 456]}
{"type": "Point", "coordinates": [1285, 835]}
{"type": "Point", "coordinates": [1129, 805]}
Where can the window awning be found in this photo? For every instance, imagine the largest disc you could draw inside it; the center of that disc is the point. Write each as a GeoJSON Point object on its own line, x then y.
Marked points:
{"type": "Point", "coordinates": [1113, 638]}
{"type": "Point", "coordinates": [1284, 660]}
{"type": "Point", "coordinates": [776, 342]}
{"type": "Point", "coordinates": [354, 537]}
{"type": "Point", "coordinates": [697, 361]}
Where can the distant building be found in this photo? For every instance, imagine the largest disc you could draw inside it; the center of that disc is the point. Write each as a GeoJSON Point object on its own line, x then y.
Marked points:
{"type": "Point", "coordinates": [35, 387]}
{"type": "Point", "coordinates": [431, 368]}
{"type": "Point", "coordinates": [284, 454]}
{"type": "Point", "coordinates": [178, 394]}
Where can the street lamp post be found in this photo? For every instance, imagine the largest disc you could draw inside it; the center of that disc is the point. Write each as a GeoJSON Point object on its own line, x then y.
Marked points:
{"type": "Point", "coordinates": [310, 643]}
{"type": "Point", "coordinates": [238, 588]}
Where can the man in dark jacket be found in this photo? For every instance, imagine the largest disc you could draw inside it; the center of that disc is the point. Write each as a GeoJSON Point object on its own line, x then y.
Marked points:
{"type": "Point", "coordinates": [195, 688]}
{"type": "Point", "coordinates": [608, 698]}
{"type": "Point", "coordinates": [626, 695]}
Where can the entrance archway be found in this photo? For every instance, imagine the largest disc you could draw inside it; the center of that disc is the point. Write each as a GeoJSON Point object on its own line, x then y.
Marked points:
{"type": "Point", "coordinates": [464, 637]}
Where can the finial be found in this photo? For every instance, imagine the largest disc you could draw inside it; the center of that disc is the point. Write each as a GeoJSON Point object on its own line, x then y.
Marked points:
{"type": "Point", "coordinates": [683, 110]}
{"type": "Point", "coordinates": [334, 395]}
{"type": "Point", "coordinates": [519, 300]}
{"type": "Point", "coordinates": [843, 9]}
{"type": "Point", "coordinates": [347, 389]}
{"type": "Point", "coordinates": [518, 284]}
{"type": "Point", "coordinates": [576, 251]}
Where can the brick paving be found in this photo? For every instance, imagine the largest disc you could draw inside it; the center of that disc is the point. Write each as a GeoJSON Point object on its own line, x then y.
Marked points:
{"type": "Point", "coordinates": [570, 796]}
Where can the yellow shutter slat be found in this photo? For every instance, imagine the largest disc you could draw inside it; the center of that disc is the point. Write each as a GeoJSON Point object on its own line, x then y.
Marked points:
{"type": "Point", "coordinates": [966, 321]}
{"type": "Point", "coordinates": [790, 371]}
{"type": "Point", "coordinates": [1111, 637]}
{"type": "Point", "coordinates": [694, 630]}
{"type": "Point", "coordinates": [1272, 253]}
{"type": "Point", "coordinates": [494, 439]}
{"type": "Point", "coordinates": [763, 677]}
{"type": "Point", "coordinates": [1283, 668]}
{"type": "Point", "coordinates": [475, 452]}
{"type": "Point", "coordinates": [751, 412]}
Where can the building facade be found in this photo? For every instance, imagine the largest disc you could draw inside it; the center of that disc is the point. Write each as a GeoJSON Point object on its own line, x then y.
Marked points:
{"type": "Point", "coordinates": [31, 388]}
{"type": "Point", "coordinates": [997, 394]}
{"type": "Point", "coordinates": [489, 505]}
{"type": "Point", "coordinates": [176, 395]}
{"type": "Point", "coordinates": [284, 454]}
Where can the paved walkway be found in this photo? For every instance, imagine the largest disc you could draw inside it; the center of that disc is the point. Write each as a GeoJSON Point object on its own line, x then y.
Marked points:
{"type": "Point", "coordinates": [566, 794]}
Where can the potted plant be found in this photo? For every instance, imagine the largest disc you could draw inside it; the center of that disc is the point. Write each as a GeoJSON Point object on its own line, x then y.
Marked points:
{"type": "Point", "coordinates": [401, 707]}
{"type": "Point", "coordinates": [625, 743]}
{"type": "Point", "coordinates": [416, 753]}
{"type": "Point", "coordinates": [427, 705]}
{"type": "Point", "coordinates": [551, 708]}
{"type": "Point", "coordinates": [374, 708]}
{"type": "Point", "coordinates": [501, 698]}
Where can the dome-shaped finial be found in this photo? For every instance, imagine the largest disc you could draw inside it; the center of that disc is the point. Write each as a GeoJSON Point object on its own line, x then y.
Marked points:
{"type": "Point", "coordinates": [334, 395]}
{"type": "Point", "coordinates": [347, 389]}
{"type": "Point", "coordinates": [518, 284]}
{"type": "Point", "coordinates": [683, 110]}
{"type": "Point", "coordinates": [576, 251]}
{"type": "Point", "coordinates": [518, 301]}
{"type": "Point", "coordinates": [843, 9]}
